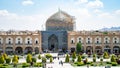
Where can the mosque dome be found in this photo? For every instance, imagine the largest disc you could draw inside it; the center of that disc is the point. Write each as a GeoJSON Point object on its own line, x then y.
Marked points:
{"type": "Point", "coordinates": [60, 16]}
{"type": "Point", "coordinates": [60, 21]}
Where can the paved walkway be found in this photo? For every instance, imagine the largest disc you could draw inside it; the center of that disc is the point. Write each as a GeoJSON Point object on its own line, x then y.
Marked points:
{"type": "Point", "coordinates": [57, 65]}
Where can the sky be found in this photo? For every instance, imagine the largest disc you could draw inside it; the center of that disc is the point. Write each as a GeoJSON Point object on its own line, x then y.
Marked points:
{"type": "Point", "coordinates": [32, 14]}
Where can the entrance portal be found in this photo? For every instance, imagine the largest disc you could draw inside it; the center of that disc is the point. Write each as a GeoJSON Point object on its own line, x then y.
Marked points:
{"type": "Point", "coordinates": [53, 43]}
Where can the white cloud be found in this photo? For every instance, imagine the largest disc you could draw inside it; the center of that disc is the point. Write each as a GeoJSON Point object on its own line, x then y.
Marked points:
{"type": "Point", "coordinates": [81, 1]}
{"type": "Point", "coordinates": [97, 11]}
{"type": "Point", "coordinates": [27, 2]}
{"type": "Point", "coordinates": [6, 13]}
{"type": "Point", "coordinates": [95, 4]}
{"type": "Point", "coordinates": [21, 22]}
{"type": "Point", "coordinates": [117, 12]}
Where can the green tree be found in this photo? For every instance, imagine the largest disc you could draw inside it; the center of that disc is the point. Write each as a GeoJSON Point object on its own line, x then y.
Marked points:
{"type": "Point", "coordinates": [48, 56]}
{"type": "Point", "coordinates": [8, 60]}
{"type": "Point", "coordinates": [113, 59]}
{"type": "Point", "coordinates": [5, 55]}
{"type": "Point", "coordinates": [29, 58]}
{"type": "Point", "coordinates": [15, 59]}
{"type": "Point", "coordinates": [67, 58]}
{"type": "Point", "coordinates": [2, 60]}
{"type": "Point", "coordinates": [51, 59]}
{"type": "Point", "coordinates": [105, 55]}
{"type": "Point", "coordinates": [43, 59]}
{"type": "Point", "coordinates": [74, 55]}
{"type": "Point", "coordinates": [94, 55]}
{"type": "Point", "coordinates": [101, 60]}
{"type": "Point", "coordinates": [79, 58]}
{"type": "Point", "coordinates": [34, 60]}
{"type": "Point", "coordinates": [94, 59]}
{"type": "Point", "coordinates": [79, 47]}
{"type": "Point", "coordinates": [39, 56]}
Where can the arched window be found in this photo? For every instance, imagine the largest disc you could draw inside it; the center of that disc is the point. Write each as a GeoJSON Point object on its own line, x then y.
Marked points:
{"type": "Point", "coordinates": [72, 41]}
{"type": "Point", "coordinates": [19, 40]}
{"type": "Point", "coordinates": [28, 40]}
{"type": "Point", "coordinates": [80, 40]}
{"type": "Point", "coordinates": [88, 40]}
{"type": "Point", "coordinates": [9, 40]}
{"type": "Point", "coordinates": [106, 40]}
{"type": "Point", "coordinates": [36, 41]}
{"type": "Point", "coordinates": [115, 40]}
{"type": "Point", "coordinates": [97, 40]}
{"type": "Point", "coordinates": [1, 40]}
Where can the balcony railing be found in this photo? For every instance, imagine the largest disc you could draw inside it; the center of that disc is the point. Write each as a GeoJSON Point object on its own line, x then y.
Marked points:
{"type": "Point", "coordinates": [9, 44]}
{"type": "Point", "coordinates": [28, 44]}
{"type": "Point", "coordinates": [19, 44]}
{"type": "Point", "coordinates": [98, 43]}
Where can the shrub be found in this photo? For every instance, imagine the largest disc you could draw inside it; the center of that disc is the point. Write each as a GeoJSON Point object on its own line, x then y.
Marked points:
{"type": "Point", "coordinates": [25, 65]}
{"type": "Point", "coordinates": [118, 56]}
{"type": "Point", "coordinates": [73, 60]}
{"type": "Point", "coordinates": [94, 59]}
{"type": "Point", "coordinates": [105, 55]}
{"type": "Point", "coordinates": [114, 63]}
{"type": "Point", "coordinates": [3, 67]}
{"type": "Point", "coordinates": [79, 58]}
{"type": "Point", "coordinates": [39, 56]}
{"type": "Point", "coordinates": [74, 55]}
{"type": "Point", "coordinates": [48, 56]}
{"type": "Point", "coordinates": [15, 64]}
{"type": "Point", "coordinates": [5, 55]}
{"type": "Point", "coordinates": [94, 55]}
{"type": "Point", "coordinates": [34, 60]}
{"type": "Point", "coordinates": [83, 56]}
{"type": "Point", "coordinates": [101, 60]}
{"type": "Point", "coordinates": [92, 64]}
{"type": "Point", "coordinates": [5, 64]}
{"type": "Point", "coordinates": [29, 58]}
{"type": "Point", "coordinates": [67, 58]}
{"type": "Point", "coordinates": [108, 62]}
{"type": "Point", "coordinates": [80, 64]}
{"type": "Point", "coordinates": [38, 65]}
{"type": "Point", "coordinates": [8, 60]}
{"type": "Point", "coordinates": [113, 59]}
{"type": "Point", "coordinates": [2, 60]}
{"type": "Point", "coordinates": [43, 59]}
{"type": "Point", "coordinates": [15, 59]}
{"type": "Point", "coordinates": [51, 59]}
{"type": "Point", "coordinates": [89, 62]}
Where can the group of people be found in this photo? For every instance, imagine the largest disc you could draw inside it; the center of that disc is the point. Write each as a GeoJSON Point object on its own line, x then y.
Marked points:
{"type": "Point", "coordinates": [61, 63]}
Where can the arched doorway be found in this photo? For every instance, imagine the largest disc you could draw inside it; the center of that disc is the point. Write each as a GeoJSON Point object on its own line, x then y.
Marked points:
{"type": "Point", "coordinates": [89, 49]}
{"type": "Point", "coordinates": [19, 50]}
{"type": "Point", "coordinates": [98, 49]}
{"type": "Point", "coordinates": [28, 50]}
{"type": "Point", "coordinates": [53, 43]}
{"type": "Point", "coordinates": [36, 50]}
{"type": "Point", "coordinates": [9, 50]}
{"type": "Point", "coordinates": [107, 49]}
{"type": "Point", "coordinates": [116, 49]}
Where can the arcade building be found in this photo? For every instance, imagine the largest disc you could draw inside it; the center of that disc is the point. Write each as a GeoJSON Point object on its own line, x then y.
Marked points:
{"type": "Point", "coordinates": [60, 35]}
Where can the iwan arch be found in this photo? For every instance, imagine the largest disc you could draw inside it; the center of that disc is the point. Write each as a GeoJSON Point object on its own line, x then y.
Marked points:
{"type": "Point", "coordinates": [60, 35]}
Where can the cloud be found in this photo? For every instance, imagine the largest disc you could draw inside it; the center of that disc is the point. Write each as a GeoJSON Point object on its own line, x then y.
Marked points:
{"type": "Point", "coordinates": [27, 2]}
{"type": "Point", "coordinates": [81, 1]}
{"type": "Point", "coordinates": [95, 4]}
{"type": "Point", "coordinates": [10, 20]}
{"type": "Point", "coordinates": [117, 12]}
